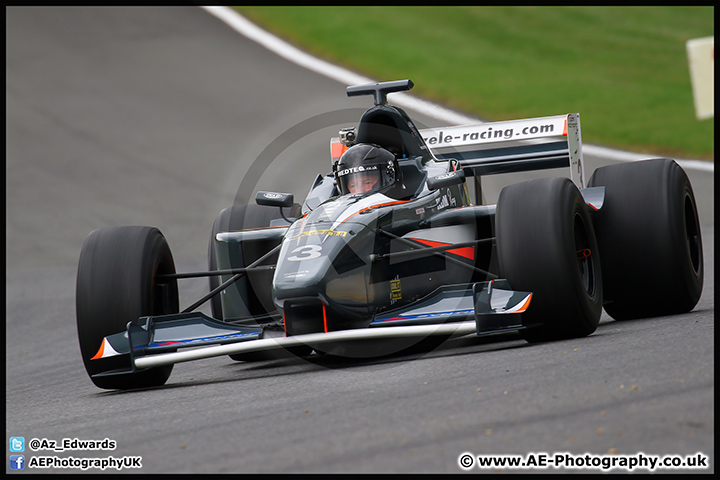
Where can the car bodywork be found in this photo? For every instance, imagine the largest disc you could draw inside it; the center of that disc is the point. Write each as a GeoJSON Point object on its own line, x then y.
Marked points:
{"type": "Point", "coordinates": [414, 257]}
{"type": "Point", "coordinates": [413, 262]}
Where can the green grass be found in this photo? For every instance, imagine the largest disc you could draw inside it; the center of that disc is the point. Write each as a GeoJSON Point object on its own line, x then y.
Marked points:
{"type": "Point", "coordinates": [624, 69]}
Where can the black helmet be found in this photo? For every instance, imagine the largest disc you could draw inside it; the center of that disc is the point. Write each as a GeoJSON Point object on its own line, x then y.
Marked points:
{"type": "Point", "coordinates": [366, 167]}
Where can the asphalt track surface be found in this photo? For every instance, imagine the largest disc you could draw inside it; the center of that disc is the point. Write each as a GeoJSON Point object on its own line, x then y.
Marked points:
{"type": "Point", "coordinates": [153, 116]}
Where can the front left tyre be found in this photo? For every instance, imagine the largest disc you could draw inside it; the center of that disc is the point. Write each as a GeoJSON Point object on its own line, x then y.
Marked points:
{"type": "Point", "coordinates": [546, 245]}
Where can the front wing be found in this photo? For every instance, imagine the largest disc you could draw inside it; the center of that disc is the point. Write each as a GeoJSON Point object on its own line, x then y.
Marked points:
{"type": "Point", "coordinates": [456, 310]}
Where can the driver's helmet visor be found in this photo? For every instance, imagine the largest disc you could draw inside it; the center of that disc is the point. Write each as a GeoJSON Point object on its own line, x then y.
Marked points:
{"type": "Point", "coordinates": [370, 178]}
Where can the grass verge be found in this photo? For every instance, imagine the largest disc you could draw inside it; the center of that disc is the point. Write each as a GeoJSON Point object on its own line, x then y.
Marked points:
{"type": "Point", "coordinates": [624, 69]}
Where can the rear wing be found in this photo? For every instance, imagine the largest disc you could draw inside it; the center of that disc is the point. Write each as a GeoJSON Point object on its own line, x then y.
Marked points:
{"type": "Point", "coordinates": [513, 146]}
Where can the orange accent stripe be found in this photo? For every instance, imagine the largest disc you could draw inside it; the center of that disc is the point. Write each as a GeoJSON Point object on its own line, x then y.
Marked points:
{"type": "Point", "coordinates": [324, 318]}
{"type": "Point", "coordinates": [467, 252]}
{"type": "Point", "coordinates": [260, 228]}
{"type": "Point", "coordinates": [302, 224]}
{"type": "Point", "coordinates": [100, 352]}
{"type": "Point", "coordinates": [565, 129]}
{"type": "Point", "coordinates": [374, 206]}
{"type": "Point", "coordinates": [337, 149]}
{"type": "Point", "coordinates": [526, 304]}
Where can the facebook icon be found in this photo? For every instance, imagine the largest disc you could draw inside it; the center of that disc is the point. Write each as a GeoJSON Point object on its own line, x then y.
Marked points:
{"type": "Point", "coordinates": [17, 462]}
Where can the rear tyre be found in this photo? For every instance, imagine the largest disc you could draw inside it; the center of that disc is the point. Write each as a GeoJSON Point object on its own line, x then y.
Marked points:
{"type": "Point", "coordinates": [117, 283]}
{"type": "Point", "coordinates": [251, 287]}
{"type": "Point", "coordinates": [254, 289]}
{"type": "Point", "coordinates": [649, 237]}
{"type": "Point", "coordinates": [546, 245]}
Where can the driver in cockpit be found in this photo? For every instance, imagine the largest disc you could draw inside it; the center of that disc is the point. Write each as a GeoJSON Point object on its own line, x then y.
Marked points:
{"type": "Point", "coordinates": [366, 167]}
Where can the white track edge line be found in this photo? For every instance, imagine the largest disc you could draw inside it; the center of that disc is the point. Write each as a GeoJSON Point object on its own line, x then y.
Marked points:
{"type": "Point", "coordinates": [243, 26]}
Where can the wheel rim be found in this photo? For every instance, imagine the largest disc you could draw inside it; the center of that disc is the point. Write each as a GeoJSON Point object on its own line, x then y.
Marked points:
{"type": "Point", "coordinates": [164, 296]}
{"type": "Point", "coordinates": [585, 256]}
{"type": "Point", "coordinates": [692, 234]}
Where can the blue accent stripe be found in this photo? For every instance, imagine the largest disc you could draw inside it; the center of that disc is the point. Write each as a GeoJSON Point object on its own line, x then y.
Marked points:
{"type": "Point", "coordinates": [426, 315]}
{"type": "Point", "coordinates": [191, 341]}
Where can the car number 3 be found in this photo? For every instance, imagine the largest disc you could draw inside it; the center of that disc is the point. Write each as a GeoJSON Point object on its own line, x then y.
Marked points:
{"type": "Point", "coordinates": [306, 252]}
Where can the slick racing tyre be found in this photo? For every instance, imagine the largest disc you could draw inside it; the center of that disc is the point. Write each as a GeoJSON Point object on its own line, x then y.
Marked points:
{"type": "Point", "coordinates": [253, 288]}
{"type": "Point", "coordinates": [649, 237]}
{"type": "Point", "coordinates": [117, 283]}
{"type": "Point", "coordinates": [546, 245]}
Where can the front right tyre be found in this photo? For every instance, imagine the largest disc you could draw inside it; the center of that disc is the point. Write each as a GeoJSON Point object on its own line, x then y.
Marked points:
{"type": "Point", "coordinates": [117, 282]}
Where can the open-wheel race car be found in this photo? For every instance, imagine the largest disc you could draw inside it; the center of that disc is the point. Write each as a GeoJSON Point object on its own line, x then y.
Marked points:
{"type": "Point", "coordinates": [389, 249]}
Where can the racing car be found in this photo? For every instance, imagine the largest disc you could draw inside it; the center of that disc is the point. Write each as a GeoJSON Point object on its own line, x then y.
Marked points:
{"type": "Point", "coordinates": [394, 246]}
